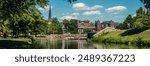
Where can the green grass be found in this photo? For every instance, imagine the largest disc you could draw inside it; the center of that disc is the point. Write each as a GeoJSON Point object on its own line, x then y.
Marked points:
{"type": "Point", "coordinates": [19, 43]}
{"type": "Point", "coordinates": [26, 40]}
{"type": "Point", "coordinates": [15, 43]}
{"type": "Point", "coordinates": [125, 37]}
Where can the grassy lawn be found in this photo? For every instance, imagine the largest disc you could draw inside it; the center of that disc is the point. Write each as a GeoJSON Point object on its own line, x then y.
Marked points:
{"type": "Point", "coordinates": [28, 41]}
{"type": "Point", "coordinates": [144, 34]}
{"type": "Point", "coordinates": [14, 43]}
{"type": "Point", "coordinates": [125, 36]}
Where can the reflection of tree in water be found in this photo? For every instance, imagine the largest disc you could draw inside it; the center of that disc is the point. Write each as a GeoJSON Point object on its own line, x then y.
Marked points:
{"type": "Point", "coordinates": [120, 46]}
{"type": "Point", "coordinates": [71, 45]}
{"type": "Point", "coordinates": [74, 44]}
{"type": "Point", "coordinates": [81, 44]}
{"type": "Point", "coordinates": [54, 44]}
{"type": "Point", "coordinates": [66, 44]}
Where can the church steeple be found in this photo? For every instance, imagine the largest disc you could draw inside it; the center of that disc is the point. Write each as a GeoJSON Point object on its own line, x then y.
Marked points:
{"type": "Point", "coordinates": [50, 15]}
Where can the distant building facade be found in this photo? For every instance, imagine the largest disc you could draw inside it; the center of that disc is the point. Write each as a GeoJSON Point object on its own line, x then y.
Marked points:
{"type": "Point", "coordinates": [86, 24]}
{"type": "Point", "coordinates": [101, 25]}
{"type": "Point", "coordinates": [95, 27]}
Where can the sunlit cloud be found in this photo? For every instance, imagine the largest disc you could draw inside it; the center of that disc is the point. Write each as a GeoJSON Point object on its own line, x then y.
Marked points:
{"type": "Point", "coordinates": [83, 6]}
{"type": "Point", "coordinates": [116, 9]}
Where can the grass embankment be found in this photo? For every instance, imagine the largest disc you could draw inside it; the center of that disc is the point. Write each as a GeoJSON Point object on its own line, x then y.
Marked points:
{"type": "Point", "coordinates": [15, 43]}
{"type": "Point", "coordinates": [133, 36]}
{"type": "Point", "coordinates": [19, 43]}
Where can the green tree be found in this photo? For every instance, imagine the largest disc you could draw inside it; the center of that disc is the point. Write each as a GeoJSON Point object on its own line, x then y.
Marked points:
{"type": "Point", "coordinates": [140, 13]}
{"type": "Point", "coordinates": [40, 26]}
{"type": "Point", "coordinates": [142, 23]}
{"type": "Point", "coordinates": [146, 3]}
{"type": "Point", "coordinates": [148, 13]}
{"type": "Point", "coordinates": [71, 1]}
{"type": "Point", "coordinates": [120, 26]}
{"type": "Point", "coordinates": [4, 27]}
{"type": "Point", "coordinates": [128, 23]}
{"type": "Point", "coordinates": [70, 26]}
{"type": "Point", "coordinates": [65, 24]}
{"type": "Point", "coordinates": [142, 19]}
{"type": "Point", "coordinates": [55, 20]}
{"type": "Point", "coordinates": [20, 14]}
{"type": "Point", "coordinates": [73, 26]}
{"type": "Point", "coordinates": [55, 27]}
{"type": "Point", "coordinates": [87, 30]}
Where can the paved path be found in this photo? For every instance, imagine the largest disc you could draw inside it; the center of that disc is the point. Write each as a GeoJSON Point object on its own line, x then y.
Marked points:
{"type": "Point", "coordinates": [105, 30]}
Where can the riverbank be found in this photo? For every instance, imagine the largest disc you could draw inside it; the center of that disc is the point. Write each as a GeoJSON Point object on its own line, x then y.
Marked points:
{"type": "Point", "coordinates": [15, 43]}
{"type": "Point", "coordinates": [133, 36]}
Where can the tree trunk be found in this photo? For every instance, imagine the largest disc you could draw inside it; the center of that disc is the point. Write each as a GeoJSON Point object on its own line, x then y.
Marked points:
{"type": "Point", "coordinates": [5, 35]}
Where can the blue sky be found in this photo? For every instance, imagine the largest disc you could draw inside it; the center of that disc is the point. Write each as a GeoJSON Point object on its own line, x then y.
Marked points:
{"type": "Point", "coordinates": [92, 10]}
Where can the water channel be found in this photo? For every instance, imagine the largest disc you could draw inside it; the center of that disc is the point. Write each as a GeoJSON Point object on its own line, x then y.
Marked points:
{"type": "Point", "coordinates": [83, 44]}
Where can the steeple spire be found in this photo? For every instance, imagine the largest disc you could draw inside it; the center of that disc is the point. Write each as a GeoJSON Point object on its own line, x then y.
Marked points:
{"type": "Point", "coordinates": [50, 15]}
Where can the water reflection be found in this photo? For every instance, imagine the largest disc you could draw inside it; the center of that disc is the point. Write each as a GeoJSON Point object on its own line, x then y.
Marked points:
{"type": "Point", "coordinates": [119, 46]}
{"type": "Point", "coordinates": [64, 44]}
{"type": "Point", "coordinates": [83, 44]}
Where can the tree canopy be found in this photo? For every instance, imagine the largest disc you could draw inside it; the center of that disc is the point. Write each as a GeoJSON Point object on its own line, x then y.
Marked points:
{"type": "Point", "coordinates": [146, 3]}
{"type": "Point", "coordinates": [71, 1]}
{"type": "Point", "coordinates": [70, 26]}
{"type": "Point", "coordinates": [128, 23]}
{"type": "Point", "coordinates": [140, 21]}
{"type": "Point", "coordinates": [20, 15]}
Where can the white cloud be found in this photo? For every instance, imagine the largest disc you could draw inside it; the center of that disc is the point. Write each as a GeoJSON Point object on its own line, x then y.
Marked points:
{"type": "Point", "coordinates": [80, 6]}
{"type": "Point", "coordinates": [116, 9]}
{"type": "Point", "coordinates": [65, 13]}
{"type": "Point", "coordinates": [83, 6]}
{"type": "Point", "coordinates": [46, 8]}
{"type": "Point", "coordinates": [95, 7]}
{"type": "Point", "coordinates": [75, 14]}
{"type": "Point", "coordinates": [89, 13]}
{"type": "Point", "coordinates": [134, 15]}
{"type": "Point", "coordinates": [71, 16]}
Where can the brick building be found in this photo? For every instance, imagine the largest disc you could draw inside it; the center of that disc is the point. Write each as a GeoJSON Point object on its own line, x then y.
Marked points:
{"type": "Point", "coordinates": [101, 25]}
{"type": "Point", "coordinates": [96, 27]}
{"type": "Point", "coordinates": [86, 24]}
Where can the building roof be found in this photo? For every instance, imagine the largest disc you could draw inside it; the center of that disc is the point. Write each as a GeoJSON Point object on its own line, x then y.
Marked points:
{"type": "Point", "coordinates": [85, 24]}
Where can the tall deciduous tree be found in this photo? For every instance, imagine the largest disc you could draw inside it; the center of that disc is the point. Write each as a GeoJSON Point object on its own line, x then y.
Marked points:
{"type": "Point", "coordinates": [148, 13]}
{"type": "Point", "coordinates": [141, 13]}
{"type": "Point", "coordinates": [55, 27]}
{"type": "Point", "coordinates": [142, 19]}
{"type": "Point", "coordinates": [70, 26]}
{"type": "Point", "coordinates": [146, 3]}
{"type": "Point", "coordinates": [20, 14]}
{"type": "Point", "coordinates": [128, 23]}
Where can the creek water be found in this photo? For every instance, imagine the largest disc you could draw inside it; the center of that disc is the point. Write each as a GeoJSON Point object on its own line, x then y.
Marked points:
{"type": "Point", "coordinates": [83, 44]}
